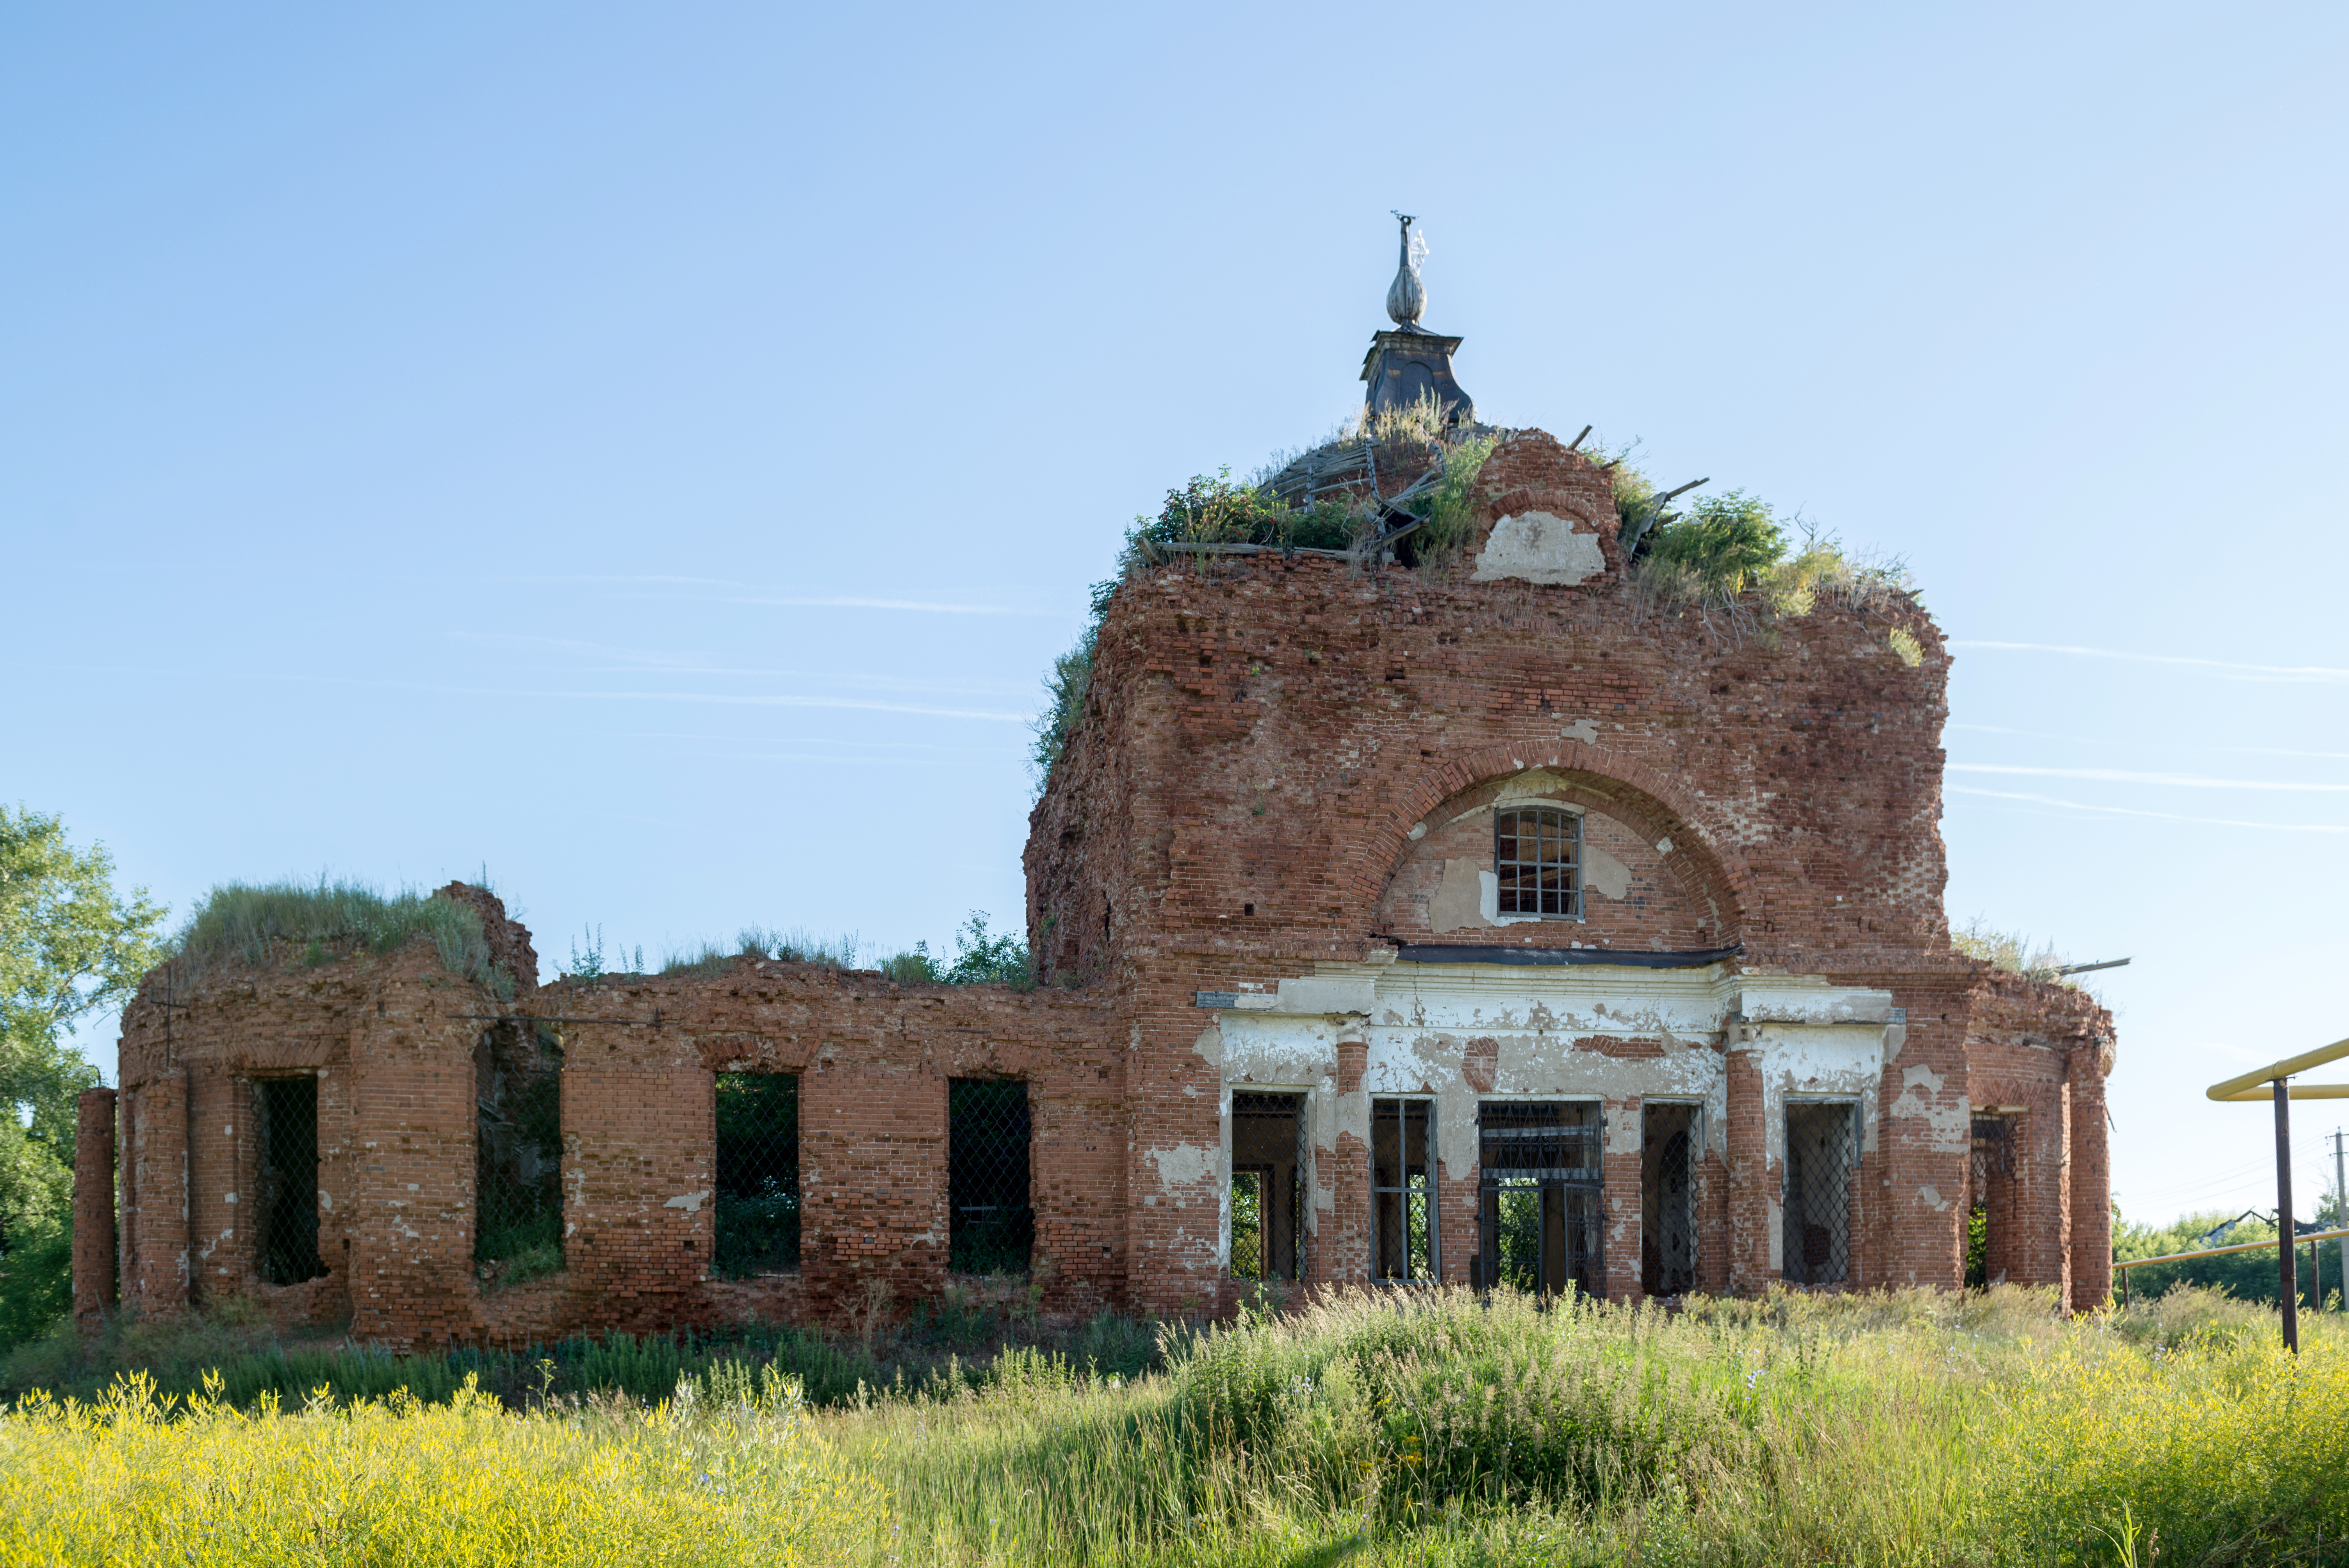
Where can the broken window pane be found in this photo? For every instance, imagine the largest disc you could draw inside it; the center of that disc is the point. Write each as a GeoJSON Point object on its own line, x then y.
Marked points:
{"type": "Point", "coordinates": [1402, 1188]}
{"type": "Point", "coordinates": [758, 1197]}
{"type": "Point", "coordinates": [517, 1151]}
{"type": "Point", "coordinates": [1538, 1190]}
{"type": "Point", "coordinates": [1537, 860]}
{"type": "Point", "coordinates": [1668, 1217]}
{"type": "Point", "coordinates": [286, 1179]}
{"type": "Point", "coordinates": [990, 1227]}
{"type": "Point", "coordinates": [1267, 1149]}
{"type": "Point", "coordinates": [1819, 1154]}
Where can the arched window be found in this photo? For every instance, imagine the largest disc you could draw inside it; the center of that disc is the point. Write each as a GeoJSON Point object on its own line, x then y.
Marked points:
{"type": "Point", "coordinates": [1537, 851]}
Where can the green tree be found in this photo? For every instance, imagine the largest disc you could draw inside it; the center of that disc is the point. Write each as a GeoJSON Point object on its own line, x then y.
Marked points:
{"type": "Point", "coordinates": [69, 945]}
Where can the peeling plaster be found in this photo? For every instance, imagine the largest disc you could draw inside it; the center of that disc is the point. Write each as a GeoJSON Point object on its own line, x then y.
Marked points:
{"type": "Point", "coordinates": [689, 1201]}
{"type": "Point", "coordinates": [1539, 547]}
{"type": "Point", "coordinates": [1604, 875]}
{"type": "Point", "coordinates": [1187, 1165]}
{"type": "Point", "coordinates": [1931, 1198]}
{"type": "Point", "coordinates": [1459, 902]}
{"type": "Point", "coordinates": [1581, 729]}
{"type": "Point", "coordinates": [1950, 1116]}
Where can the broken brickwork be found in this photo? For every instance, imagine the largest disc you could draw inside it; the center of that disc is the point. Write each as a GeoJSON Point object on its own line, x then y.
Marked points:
{"type": "Point", "coordinates": [1268, 860]}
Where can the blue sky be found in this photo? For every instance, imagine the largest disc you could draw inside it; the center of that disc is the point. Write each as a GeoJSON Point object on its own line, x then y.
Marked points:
{"type": "Point", "coordinates": [654, 453]}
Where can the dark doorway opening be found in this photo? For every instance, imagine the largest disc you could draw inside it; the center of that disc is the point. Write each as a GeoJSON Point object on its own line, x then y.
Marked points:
{"type": "Point", "coordinates": [757, 1202]}
{"type": "Point", "coordinates": [286, 1184]}
{"type": "Point", "coordinates": [1539, 1185]}
{"type": "Point", "coordinates": [991, 1228]}
{"type": "Point", "coordinates": [1668, 1200]}
{"type": "Point", "coordinates": [517, 1152]}
{"type": "Point", "coordinates": [1988, 1172]}
{"type": "Point", "coordinates": [1267, 1194]}
{"type": "Point", "coordinates": [1821, 1150]}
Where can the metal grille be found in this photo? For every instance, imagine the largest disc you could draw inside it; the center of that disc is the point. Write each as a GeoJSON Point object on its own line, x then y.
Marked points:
{"type": "Point", "coordinates": [1268, 1191]}
{"type": "Point", "coordinates": [1403, 1187]}
{"type": "Point", "coordinates": [757, 1174]}
{"type": "Point", "coordinates": [1538, 1179]}
{"type": "Point", "coordinates": [1539, 857]}
{"type": "Point", "coordinates": [285, 1117]}
{"type": "Point", "coordinates": [1992, 1158]}
{"type": "Point", "coordinates": [1668, 1228]}
{"type": "Point", "coordinates": [991, 1227]}
{"type": "Point", "coordinates": [1818, 1241]}
{"type": "Point", "coordinates": [518, 1147]}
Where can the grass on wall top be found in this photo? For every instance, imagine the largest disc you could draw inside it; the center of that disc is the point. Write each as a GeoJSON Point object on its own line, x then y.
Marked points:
{"type": "Point", "coordinates": [335, 917]}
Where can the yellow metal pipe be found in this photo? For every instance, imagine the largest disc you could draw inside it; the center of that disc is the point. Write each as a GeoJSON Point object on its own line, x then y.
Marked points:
{"type": "Point", "coordinates": [2235, 1088]}
{"type": "Point", "coordinates": [2262, 1095]}
{"type": "Point", "coordinates": [2237, 1247]}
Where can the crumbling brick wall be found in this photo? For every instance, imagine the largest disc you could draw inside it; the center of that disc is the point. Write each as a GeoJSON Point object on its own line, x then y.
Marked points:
{"type": "Point", "coordinates": [1290, 739]}
{"type": "Point", "coordinates": [1259, 865]}
{"type": "Point", "coordinates": [392, 1042]}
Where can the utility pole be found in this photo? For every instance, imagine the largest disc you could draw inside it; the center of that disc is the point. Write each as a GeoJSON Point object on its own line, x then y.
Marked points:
{"type": "Point", "coordinates": [2340, 1213]}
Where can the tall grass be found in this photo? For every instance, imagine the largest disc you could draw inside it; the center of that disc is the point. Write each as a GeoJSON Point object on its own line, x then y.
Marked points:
{"type": "Point", "coordinates": [136, 1480]}
{"type": "Point", "coordinates": [1428, 1426]}
{"type": "Point", "coordinates": [261, 923]}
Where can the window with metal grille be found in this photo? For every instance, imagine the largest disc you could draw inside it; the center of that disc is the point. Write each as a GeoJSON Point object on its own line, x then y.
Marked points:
{"type": "Point", "coordinates": [1268, 1191]}
{"type": "Point", "coordinates": [285, 1120]}
{"type": "Point", "coordinates": [1538, 853]}
{"type": "Point", "coordinates": [1820, 1149]}
{"type": "Point", "coordinates": [517, 1152]}
{"type": "Point", "coordinates": [758, 1200]}
{"type": "Point", "coordinates": [990, 1227]}
{"type": "Point", "coordinates": [1667, 1201]}
{"type": "Point", "coordinates": [1538, 1191]}
{"type": "Point", "coordinates": [1402, 1188]}
{"type": "Point", "coordinates": [1991, 1166]}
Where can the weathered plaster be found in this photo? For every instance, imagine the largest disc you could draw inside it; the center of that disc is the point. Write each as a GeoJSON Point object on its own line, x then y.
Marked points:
{"type": "Point", "coordinates": [1539, 547]}
{"type": "Point", "coordinates": [1603, 874]}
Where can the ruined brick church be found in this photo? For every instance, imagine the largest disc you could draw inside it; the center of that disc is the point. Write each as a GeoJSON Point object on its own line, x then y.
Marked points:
{"type": "Point", "coordinates": [1398, 914]}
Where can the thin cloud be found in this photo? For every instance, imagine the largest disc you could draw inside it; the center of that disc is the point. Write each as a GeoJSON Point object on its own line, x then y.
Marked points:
{"type": "Point", "coordinates": [919, 606]}
{"type": "Point", "coordinates": [2313, 673]}
{"type": "Point", "coordinates": [2157, 816]}
{"type": "Point", "coordinates": [760, 593]}
{"type": "Point", "coordinates": [2167, 743]}
{"type": "Point", "coordinates": [2126, 775]}
{"type": "Point", "coordinates": [632, 658]}
{"type": "Point", "coordinates": [723, 699]}
{"type": "Point", "coordinates": [728, 699]}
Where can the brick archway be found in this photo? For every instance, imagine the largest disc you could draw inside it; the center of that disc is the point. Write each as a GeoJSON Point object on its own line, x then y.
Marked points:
{"type": "Point", "coordinates": [1653, 801]}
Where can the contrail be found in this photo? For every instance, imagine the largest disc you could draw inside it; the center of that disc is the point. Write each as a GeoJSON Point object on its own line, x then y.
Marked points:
{"type": "Point", "coordinates": [2122, 776]}
{"type": "Point", "coordinates": [2159, 816]}
{"type": "Point", "coordinates": [2316, 673]}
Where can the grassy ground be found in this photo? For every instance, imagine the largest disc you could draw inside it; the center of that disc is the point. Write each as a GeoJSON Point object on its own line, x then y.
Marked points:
{"type": "Point", "coordinates": [1434, 1428]}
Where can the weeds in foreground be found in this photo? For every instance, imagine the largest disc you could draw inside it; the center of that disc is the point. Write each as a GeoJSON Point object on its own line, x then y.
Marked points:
{"type": "Point", "coordinates": [137, 1479]}
{"type": "Point", "coordinates": [1420, 1426]}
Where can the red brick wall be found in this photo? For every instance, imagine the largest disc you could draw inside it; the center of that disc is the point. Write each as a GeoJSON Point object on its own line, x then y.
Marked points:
{"type": "Point", "coordinates": [1262, 737]}
{"type": "Point", "coordinates": [93, 1207]}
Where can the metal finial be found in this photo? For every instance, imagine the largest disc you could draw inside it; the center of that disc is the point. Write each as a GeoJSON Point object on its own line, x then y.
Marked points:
{"type": "Point", "coordinates": [1405, 298]}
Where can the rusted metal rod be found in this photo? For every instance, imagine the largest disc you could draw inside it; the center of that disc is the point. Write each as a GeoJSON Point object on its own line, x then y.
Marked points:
{"type": "Point", "coordinates": [2287, 1245]}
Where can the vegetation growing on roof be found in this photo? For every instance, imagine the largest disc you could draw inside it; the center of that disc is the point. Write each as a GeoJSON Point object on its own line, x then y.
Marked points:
{"type": "Point", "coordinates": [1723, 548]}
{"type": "Point", "coordinates": [1728, 552]}
{"type": "Point", "coordinates": [2010, 952]}
{"type": "Point", "coordinates": [336, 917]}
{"type": "Point", "coordinates": [982, 958]}
{"type": "Point", "coordinates": [755, 943]}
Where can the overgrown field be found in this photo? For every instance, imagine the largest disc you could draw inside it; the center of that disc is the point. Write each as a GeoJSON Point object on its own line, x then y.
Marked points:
{"type": "Point", "coordinates": [1421, 1427]}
